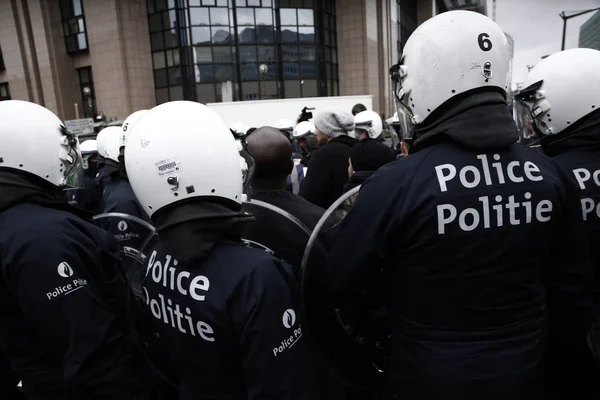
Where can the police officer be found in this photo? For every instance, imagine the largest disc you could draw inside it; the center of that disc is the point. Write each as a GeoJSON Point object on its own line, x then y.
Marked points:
{"type": "Point", "coordinates": [368, 125]}
{"type": "Point", "coordinates": [63, 326]}
{"type": "Point", "coordinates": [226, 312]}
{"type": "Point", "coordinates": [471, 236]}
{"type": "Point", "coordinates": [562, 95]}
{"type": "Point", "coordinates": [104, 169]}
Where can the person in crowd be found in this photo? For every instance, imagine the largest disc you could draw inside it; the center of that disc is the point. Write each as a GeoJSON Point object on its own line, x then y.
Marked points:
{"type": "Point", "coordinates": [272, 154]}
{"type": "Point", "coordinates": [569, 128]}
{"type": "Point", "coordinates": [63, 324]}
{"type": "Point", "coordinates": [475, 243]}
{"type": "Point", "coordinates": [303, 135]}
{"type": "Point", "coordinates": [366, 157]}
{"type": "Point", "coordinates": [368, 124]}
{"type": "Point", "coordinates": [358, 108]}
{"type": "Point", "coordinates": [328, 172]}
{"type": "Point", "coordinates": [88, 197]}
{"type": "Point", "coordinates": [227, 313]}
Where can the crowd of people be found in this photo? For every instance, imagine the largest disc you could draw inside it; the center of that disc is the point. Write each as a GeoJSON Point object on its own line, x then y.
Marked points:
{"type": "Point", "coordinates": [481, 246]}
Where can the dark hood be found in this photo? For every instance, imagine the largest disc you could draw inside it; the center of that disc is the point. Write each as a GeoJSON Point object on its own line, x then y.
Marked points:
{"type": "Point", "coordinates": [347, 140]}
{"type": "Point", "coordinates": [478, 120]}
{"type": "Point", "coordinates": [583, 134]}
{"type": "Point", "coordinates": [190, 231]}
{"type": "Point", "coordinates": [357, 179]}
{"type": "Point", "coordinates": [110, 170]}
{"type": "Point", "coordinates": [17, 187]}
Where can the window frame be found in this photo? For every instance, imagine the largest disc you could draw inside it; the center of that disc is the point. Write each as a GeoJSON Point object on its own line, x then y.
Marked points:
{"type": "Point", "coordinates": [67, 21]}
{"type": "Point", "coordinates": [6, 86]}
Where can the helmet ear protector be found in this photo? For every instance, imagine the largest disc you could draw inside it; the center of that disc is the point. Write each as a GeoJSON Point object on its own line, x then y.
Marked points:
{"type": "Point", "coordinates": [246, 154]}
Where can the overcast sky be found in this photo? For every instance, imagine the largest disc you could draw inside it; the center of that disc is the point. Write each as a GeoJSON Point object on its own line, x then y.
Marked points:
{"type": "Point", "coordinates": [537, 28]}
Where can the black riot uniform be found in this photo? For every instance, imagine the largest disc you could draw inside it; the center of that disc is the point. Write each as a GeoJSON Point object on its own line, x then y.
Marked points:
{"type": "Point", "coordinates": [63, 322]}
{"type": "Point", "coordinates": [477, 240]}
{"type": "Point", "coordinates": [227, 314]}
{"type": "Point", "coordinates": [576, 151]}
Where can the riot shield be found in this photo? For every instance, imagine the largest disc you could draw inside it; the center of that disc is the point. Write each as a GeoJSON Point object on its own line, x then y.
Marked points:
{"type": "Point", "coordinates": [277, 232]}
{"type": "Point", "coordinates": [352, 343]}
{"type": "Point", "coordinates": [131, 233]}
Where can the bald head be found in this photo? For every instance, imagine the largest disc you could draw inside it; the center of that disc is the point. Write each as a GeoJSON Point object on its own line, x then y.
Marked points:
{"type": "Point", "coordinates": [272, 152]}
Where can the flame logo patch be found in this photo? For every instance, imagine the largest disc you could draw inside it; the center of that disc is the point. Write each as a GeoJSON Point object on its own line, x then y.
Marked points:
{"type": "Point", "coordinates": [289, 318]}
{"type": "Point", "coordinates": [122, 226]}
{"type": "Point", "coordinates": [65, 270]}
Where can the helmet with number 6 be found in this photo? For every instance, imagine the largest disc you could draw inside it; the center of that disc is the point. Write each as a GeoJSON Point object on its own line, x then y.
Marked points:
{"type": "Point", "coordinates": [450, 54]}
{"type": "Point", "coordinates": [182, 150]}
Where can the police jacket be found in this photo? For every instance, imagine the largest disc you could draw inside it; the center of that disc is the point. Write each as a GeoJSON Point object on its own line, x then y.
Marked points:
{"type": "Point", "coordinates": [63, 325]}
{"type": "Point", "coordinates": [328, 172]}
{"type": "Point", "coordinates": [471, 237]}
{"type": "Point", "coordinates": [227, 314]}
{"type": "Point", "coordinates": [281, 235]}
{"type": "Point", "coordinates": [576, 151]}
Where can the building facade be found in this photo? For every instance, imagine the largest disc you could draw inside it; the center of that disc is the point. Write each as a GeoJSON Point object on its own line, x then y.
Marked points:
{"type": "Point", "coordinates": [589, 33]}
{"type": "Point", "coordinates": [108, 58]}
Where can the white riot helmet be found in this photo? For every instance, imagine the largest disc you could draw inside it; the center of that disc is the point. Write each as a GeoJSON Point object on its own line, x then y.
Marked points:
{"type": "Point", "coordinates": [89, 148]}
{"type": "Point", "coordinates": [181, 150]}
{"type": "Point", "coordinates": [561, 89]}
{"type": "Point", "coordinates": [128, 125]}
{"type": "Point", "coordinates": [369, 122]}
{"type": "Point", "coordinates": [449, 54]}
{"type": "Point", "coordinates": [111, 146]}
{"type": "Point", "coordinates": [34, 140]}
{"type": "Point", "coordinates": [106, 135]}
{"type": "Point", "coordinates": [285, 125]}
{"type": "Point", "coordinates": [303, 129]}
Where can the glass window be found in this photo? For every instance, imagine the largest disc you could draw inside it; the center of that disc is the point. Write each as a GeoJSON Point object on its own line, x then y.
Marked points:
{"type": "Point", "coordinates": [295, 3]}
{"type": "Point", "coordinates": [288, 16]}
{"type": "Point", "coordinates": [174, 76]}
{"type": "Point", "coordinates": [173, 57]}
{"type": "Point", "coordinates": [305, 17]}
{"type": "Point", "coordinates": [249, 72]}
{"type": "Point", "coordinates": [271, 72]}
{"type": "Point", "coordinates": [171, 40]}
{"type": "Point", "coordinates": [158, 60]}
{"type": "Point", "coordinates": [240, 3]}
{"type": "Point", "coordinates": [155, 23]}
{"type": "Point", "coordinates": [306, 34]}
{"type": "Point", "coordinates": [222, 3]}
{"type": "Point", "coordinates": [307, 53]}
{"type": "Point", "coordinates": [308, 4]}
{"type": "Point", "coordinates": [194, 3]}
{"type": "Point", "coordinates": [220, 35]}
{"type": "Point", "coordinates": [247, 54]}
{"type": "Point", "coordinates": [205, 93]}
{"type": "Point", "coordinates": [266, 53]}
{"type": "Point", "coordinates": [224, 73]}
{"type": "Point", "coordinates": [222, 54]}
{"type": "Point", "coordinates": [157, 41]}
{"type": "Point", "coordinates": [162, 95]}
{"type": "Point", "coordinates": [336, 91]}
{"type": "Point", "coordinates": [291, 71]}
{"type": "Point", "coordinates": [169, 19]}
{"type": "Point", "coordinates": [219, 16]}
{"type": "Point", "coordinates": [309, 70]}
{"type": "Point", "coordinates": [176, 93]}
{"type": "Point", "coordinates": [245, 16]}
{"type": "Point", "coordinates": [266, 3]}
{"type": "Point", "coordinates": [82, 41]}
{"type": "Point", "coordinates": [203, 54]}
{"type": "Point", "coordinates": [160, 78]}
{"type": "Point", "coordinates": [246, 35]}
{"type": "Point", "coordinates": [268, 90]}
{"type": "Point", "coordinates": [84, 75]}
{"type": "Point", "coordinates": [200, 35]}
{"type": "Point", "coordinates": [199, 16]}
{"type": "Point", "coordinates": [225, 92]}
{"type": "Point", "coordinates": [289, 34]}
{"type": "Point", "coordinates": [290, 53]}
{"type": "Point", "coordinates": [334, 55]}
{"type": "Point", "coordinates": [253, 3]}
{"type": "Point", "coordinates": [309, 88]}
{"type": "Point", "coordinates": [161, 5]}
{"type": "Point", "coordinates": [171, 3]}
{"type": "Point", "coordinates": [208, 2]}
{"type": "Point", "coordinates": [250, 91]}
{"type": "Point", "coordinates": [264, 16]}
{"type": "Point", "coordinates": [206, 73]}
{"type": "Point", "coordinates": [4, 91]}
{"type": "Point", "coordinates": [292, 89]}
{"type": "Point", "coordinates": [77, 7]}
{"type": "Point", "coordinates": [264, 34]}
